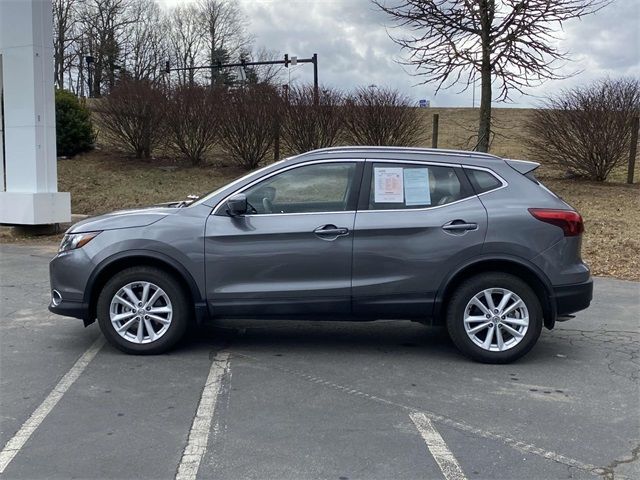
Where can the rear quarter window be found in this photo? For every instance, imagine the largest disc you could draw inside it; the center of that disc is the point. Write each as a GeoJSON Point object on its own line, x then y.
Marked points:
{"type": "Point", "coordinates": [482, 181]}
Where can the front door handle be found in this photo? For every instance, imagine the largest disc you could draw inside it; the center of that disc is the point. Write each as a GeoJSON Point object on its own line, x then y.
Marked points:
{"type": "Point", "coordinates": [331, 231]}
{"type": "Point", "coordinates": [459, 226]}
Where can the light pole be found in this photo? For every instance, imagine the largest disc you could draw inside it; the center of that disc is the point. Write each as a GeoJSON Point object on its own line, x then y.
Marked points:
{"type": "Point", "coordinates": [89, 61]}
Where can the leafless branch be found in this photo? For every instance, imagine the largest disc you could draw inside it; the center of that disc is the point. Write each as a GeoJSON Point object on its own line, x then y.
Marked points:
{"type": "Point", "coordinates": [586, 130]}
{"type": "Point", "coordinates": [193, 121]}
{"type": "Point", "coordinates": [381, 116]}
{"type": "Point", "coordinates": [251, 116]}
{"type": "Point", "coordinates": [132, 116]}
{"type": "Point", "coordinates": [307, 125]}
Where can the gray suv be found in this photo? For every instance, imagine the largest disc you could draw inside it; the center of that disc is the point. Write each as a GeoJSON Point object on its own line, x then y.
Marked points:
{"type": "Point", "coordinates": [462, 239]}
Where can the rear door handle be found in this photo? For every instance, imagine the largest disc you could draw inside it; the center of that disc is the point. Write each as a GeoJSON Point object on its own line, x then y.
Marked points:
{"type": "Point", "coordinates": [331, 231]}
{"type": "Point", "coordinates": [459, 226]}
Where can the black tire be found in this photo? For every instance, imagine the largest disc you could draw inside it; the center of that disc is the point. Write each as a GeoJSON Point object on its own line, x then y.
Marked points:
{"type": "Point", "coordinates": [474, 285]}
{"type": "Point", "coordinates": [179, 303]}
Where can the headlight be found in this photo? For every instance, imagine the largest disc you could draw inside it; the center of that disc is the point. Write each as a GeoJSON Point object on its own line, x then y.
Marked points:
{"type": "Point", "coordinates": [71, 241]}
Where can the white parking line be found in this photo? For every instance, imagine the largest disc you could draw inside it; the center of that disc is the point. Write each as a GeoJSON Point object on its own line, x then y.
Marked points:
{"type": "Point", "coordinates": [435, 443]}
{"type": "Point", "coordinates": [461, 426]}
{"type": "Point", "coordinates": [199, 433]}
{"type": "Point", "coordinates": [15, 444]}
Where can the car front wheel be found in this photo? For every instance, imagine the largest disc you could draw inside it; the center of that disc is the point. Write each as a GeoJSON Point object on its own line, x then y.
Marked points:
{"type": "Point", "coordinates": [142, 310]}
{"type": "Point", "coordinates": [494, 318]}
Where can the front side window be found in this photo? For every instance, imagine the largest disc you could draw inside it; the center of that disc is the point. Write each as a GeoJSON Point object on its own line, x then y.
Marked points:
{"type": "Point", "coordinates": [404, 186]}
{"type": "Point", "coordinates": [321, 187]}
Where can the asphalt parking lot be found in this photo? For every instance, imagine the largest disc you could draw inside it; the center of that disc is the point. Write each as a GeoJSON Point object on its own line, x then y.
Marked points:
{"type": "Point", "coordinates": [317, 400]}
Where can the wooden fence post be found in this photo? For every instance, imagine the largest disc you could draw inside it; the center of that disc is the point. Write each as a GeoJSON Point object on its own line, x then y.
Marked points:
{"type": "Point", "coordinates": [434, 134]}
{"type": "Point", "coordinates": [635, 124]}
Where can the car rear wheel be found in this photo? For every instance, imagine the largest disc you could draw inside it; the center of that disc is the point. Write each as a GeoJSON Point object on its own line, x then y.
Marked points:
{"type": "Point", "coordinates": [143, 310]}
{"type": "Point", "coordinates": [494, 318]}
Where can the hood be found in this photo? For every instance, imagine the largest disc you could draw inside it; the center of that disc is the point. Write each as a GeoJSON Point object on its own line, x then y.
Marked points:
{"type": "Point", "coordinates": [122, 219]}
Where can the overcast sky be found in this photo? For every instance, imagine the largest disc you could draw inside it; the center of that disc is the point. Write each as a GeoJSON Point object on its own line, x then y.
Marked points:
{"type": "Point", "coordinates": [353, 47]}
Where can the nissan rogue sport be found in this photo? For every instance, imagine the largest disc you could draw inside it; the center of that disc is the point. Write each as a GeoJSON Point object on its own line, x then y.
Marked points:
{"type": "Point", "coordinates": [463, 239]}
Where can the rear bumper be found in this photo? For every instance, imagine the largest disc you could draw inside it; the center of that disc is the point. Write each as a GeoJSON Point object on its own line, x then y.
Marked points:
{"type": "Point", "coordinates": [573, 298]}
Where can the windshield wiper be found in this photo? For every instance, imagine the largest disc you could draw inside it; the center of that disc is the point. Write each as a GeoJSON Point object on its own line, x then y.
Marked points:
{"type": "Point", "coordinates": [188, 201]}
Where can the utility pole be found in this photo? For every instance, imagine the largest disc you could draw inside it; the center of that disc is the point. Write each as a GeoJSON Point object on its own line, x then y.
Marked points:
{"type": "Point", "coordinates": [314, 59]}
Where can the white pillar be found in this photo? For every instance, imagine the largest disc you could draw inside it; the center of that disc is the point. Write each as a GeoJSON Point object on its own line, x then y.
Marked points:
{"type": "Point", "coordinates": [29, 191]}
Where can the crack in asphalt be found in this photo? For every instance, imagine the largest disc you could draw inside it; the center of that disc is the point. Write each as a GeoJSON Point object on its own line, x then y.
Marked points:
{"type": "Point", "coordinates": [609, 470]}
{"type": "Point", "coordinates": [621, 349]}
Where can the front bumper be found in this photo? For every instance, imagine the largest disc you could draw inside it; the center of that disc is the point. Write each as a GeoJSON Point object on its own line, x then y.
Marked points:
{"type": "Point", "coordinates": [573, 298]}
{"type": "Point", "coordinates": [68, 277]}
{"type": "Point", "coordinates": [70, 309]}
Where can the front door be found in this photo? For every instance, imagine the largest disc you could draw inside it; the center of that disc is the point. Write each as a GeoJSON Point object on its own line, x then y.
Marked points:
{"type": "Point", "coordinates": [291, 254]}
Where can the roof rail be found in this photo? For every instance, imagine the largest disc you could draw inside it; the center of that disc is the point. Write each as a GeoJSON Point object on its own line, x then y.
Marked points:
{"type": "Point", "coordinates": [432, 151]}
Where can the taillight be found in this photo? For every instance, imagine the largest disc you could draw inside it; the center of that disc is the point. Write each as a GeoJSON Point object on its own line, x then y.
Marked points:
{"type": "Point", "coordinates": [569, 221]}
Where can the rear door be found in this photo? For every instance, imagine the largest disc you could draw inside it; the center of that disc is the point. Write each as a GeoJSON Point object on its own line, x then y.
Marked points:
{"type": "Point", "coordinates": [292, 253]}
{"type": "Point", "coordinates": [415, 222]}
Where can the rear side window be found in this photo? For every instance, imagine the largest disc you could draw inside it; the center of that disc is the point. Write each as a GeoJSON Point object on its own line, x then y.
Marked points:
{"type": "Point", "coordinates": [482, 181]}
{"type": "Point", "coordinates": [404, 186]}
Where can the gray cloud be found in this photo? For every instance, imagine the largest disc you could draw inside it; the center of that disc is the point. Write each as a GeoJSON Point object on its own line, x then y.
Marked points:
{"type": "Point", "coordinates": [354, 49]}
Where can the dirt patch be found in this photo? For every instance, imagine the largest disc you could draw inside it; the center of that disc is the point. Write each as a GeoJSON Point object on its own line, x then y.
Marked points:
{"type": "Point", "coordinates": [100, 182]}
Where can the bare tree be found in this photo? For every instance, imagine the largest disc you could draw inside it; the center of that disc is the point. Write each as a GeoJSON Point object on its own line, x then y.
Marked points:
{"type": "Point", "coordinates": [64, 35]}
{"type": "Point", "coordinates": [307, 125]}
{"type": "Point", "coordinates": [145, 49]}
{"type": "Point", "coordinates": [507, 43]}
{"type": "Point", "coordinates": [251, 116]}
{"type": "Point", "coordinates": [185, 41]}
{"type": "Point", "coordinates": [224, 33]}
{"type": "Point", "coordinates": [270, 74]}
{"type": "Point", "coordinates": [193, 122]}
{"type": "Point", "coordinates": [104, 24]}
{"type": "Point", "coordinates": [587, 129]}
{"type": "Point", "coordinates": [132, 116]}
{"type": "Point", "coordinates": [381, 116]}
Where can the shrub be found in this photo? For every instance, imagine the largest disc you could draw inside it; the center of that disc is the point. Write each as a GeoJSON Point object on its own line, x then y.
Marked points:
{"type": "Point", "coordinates": [307, 125]}
{"type": "Point", "coordinates": [74, 130]}
{"type": "Point", "coordinates": [586, 130]}
{"type": "Point", "coordinates": [251, 116]}
{"type": "Point", "coordinates": [193, 117]}
{"type": "Point", "coordinates": [381, 116]}
{"type": "Point", "coordinates": [132, 116]}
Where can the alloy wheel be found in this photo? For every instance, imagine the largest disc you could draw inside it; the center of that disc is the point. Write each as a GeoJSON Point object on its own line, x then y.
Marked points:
{"type": "Point", "coordinates": [141, 312]}
{"type": "Point", "coordinates": [496, 319]}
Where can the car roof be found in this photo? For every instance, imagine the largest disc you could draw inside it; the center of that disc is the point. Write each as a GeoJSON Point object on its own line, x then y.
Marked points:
{"type": "Point", "coordinates": [399, 153]}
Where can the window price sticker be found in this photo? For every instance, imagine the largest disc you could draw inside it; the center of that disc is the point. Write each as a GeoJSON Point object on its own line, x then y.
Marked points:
{"type": "Point", "coordinates": [388, 185]}
{"type": "Point", "coordinates": [416, 186]}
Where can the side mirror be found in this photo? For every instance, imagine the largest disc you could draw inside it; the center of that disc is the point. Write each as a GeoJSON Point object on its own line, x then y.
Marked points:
{"type": "Point", "coordinates": [237, 205]}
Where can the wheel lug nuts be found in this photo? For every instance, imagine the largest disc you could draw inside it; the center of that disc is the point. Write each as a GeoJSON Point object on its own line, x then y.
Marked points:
{"type": "Point", "coordinates": [148, 308]}
{"type": "Point", "coordinates": [488, 316]}
{"type": "Point", "coordinates": [503, 317]}
{"type": "Point", "coordinates": [146, 317]}
{"type": "Point", "coordinates": [495, 311]}
{"type": "Point", "coordinates": [140, 304]}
